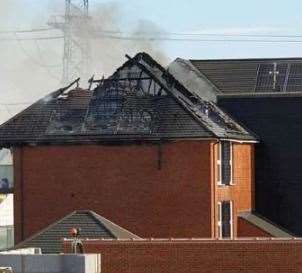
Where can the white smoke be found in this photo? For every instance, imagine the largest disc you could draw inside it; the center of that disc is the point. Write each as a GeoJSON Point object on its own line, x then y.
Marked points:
{"type": "Point", "coordinates": [32, 69]}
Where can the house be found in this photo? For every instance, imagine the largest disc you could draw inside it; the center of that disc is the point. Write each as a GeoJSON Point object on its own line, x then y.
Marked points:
{"type": "Point", "coordinates": [265, 96]}
{"type": "Point", "coordinates": [142, 150]}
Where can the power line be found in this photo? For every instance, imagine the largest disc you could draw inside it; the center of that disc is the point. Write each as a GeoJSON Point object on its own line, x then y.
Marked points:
{"type": "Point", "coordinates": [15, 103]}
{"type": "Point", "coordinates": [26, 30]}
{"type": "Point", "coordinates": [160, 36]}
{"type": "Point", "coordinates": [163, 34]}
{"type": "Point", "coordinates": [154, 38]}
{"type": "Point", "coordinates": [31, 39]}
{"type": "Point", "coordinates": [44, 29]}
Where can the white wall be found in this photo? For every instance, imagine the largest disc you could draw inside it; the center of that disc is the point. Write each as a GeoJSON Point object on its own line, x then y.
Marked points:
{"type": "Point", "coordinates": [6, 169]}
{"type": "Point", "coordinates": [85, 263]}
{"type": "Point", "coordinates": [7, 211]}
{"type": "Point", "coordinates": [5, 157]}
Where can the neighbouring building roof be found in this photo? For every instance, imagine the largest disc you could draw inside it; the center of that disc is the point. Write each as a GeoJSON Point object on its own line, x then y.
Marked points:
{"type": "Point", "coordinates": [92, 225]}
{"type": "Point", "coordinates": [141, 100]}
{"type": "Point", "coordinates": [265, 225]}
{"type": "Point", "coordinates": [252, 76]}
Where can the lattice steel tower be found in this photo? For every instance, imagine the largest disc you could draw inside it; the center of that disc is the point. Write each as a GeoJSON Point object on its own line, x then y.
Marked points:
{"type": "Point", "coordinates": [75, 26]}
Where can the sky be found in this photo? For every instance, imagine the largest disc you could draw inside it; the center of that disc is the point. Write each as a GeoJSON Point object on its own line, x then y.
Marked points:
{"type": "Point", "coordinates": [31, 69]}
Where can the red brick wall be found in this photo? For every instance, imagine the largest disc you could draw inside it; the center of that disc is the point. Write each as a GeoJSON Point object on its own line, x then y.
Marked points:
{"type": "Point", "coordinates": [247, 229]}
{"type": "Point", "coordinates": [250, 256]}
{"type": "Point", "coordinates": [242, 192]}
{"type": "Point", "coordinates": [18, 193]}
{"type": "Point", "coordinates": [122, 183]}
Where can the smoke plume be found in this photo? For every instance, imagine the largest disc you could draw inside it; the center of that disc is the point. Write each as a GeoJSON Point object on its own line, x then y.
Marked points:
{"type": "Point", "coordinates": [31, 69]}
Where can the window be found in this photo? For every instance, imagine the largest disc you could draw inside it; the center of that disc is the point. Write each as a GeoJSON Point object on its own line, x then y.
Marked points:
{"type": "Point", "coordinates": [224, 163]}
{"type": "Point", "coordinates": [225, 219]}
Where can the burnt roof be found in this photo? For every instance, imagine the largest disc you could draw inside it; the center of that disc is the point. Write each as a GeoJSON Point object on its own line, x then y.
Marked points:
{"type": "Point", "coordinates": [91, 225]}
{"type": "Point", "coordinates": [242, 76]}
{"type": "Point", "coordinates": [140, 101]}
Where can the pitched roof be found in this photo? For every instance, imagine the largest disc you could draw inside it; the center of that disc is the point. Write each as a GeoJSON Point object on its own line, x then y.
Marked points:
{"type": "Point", "coordinates": [249, 76]}
{"type": "Point", "coordinates": [92, 225]}
{"type": "Point", "coordinates": [141, 100]}
{"type": "Point", "coordinates": [265, 225]}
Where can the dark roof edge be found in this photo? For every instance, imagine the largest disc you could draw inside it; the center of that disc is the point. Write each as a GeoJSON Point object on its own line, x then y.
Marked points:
{"type": "Point", "coordinates": [128, 141]}
{"type": "Point", "coordinates": [260, 95]}
{"type": "Point", "coordinates": [265, 224]}
{"type": "Point", "coordinates": [117, 231]}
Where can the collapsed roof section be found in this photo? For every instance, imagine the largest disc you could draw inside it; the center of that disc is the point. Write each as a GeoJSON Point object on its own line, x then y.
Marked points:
{"type": "Point", "coordinates": [141, 100]}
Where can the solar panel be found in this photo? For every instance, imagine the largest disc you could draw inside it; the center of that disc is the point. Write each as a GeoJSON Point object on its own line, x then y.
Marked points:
{"type": "Point", "coordinates": [271, 77]}
{"type": "Point", "coordinates": [294, 83]}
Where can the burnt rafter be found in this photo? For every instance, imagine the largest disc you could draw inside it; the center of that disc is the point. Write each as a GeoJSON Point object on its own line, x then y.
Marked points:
{"type": "Point", "coordinates": [123, 105]}
{"type": "Point", "coordinates": [141, 100]}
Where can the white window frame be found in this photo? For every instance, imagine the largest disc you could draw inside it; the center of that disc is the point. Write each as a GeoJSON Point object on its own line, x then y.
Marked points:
{"type": "Point", "coordinates": [219, 165]}
{"type": "Point", "coordinates": [231, 220]}
{"type": "Point", "coordinates": [231, 164]}
{"type": "Point", "coordinates": [219, 220]}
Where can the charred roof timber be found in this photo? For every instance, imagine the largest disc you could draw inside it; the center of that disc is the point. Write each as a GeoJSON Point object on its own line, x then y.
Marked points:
{"type": "Point", "coordinates": [140, 101]}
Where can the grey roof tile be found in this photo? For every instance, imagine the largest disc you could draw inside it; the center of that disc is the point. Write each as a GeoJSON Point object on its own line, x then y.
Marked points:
{"type": "Point", "coordinates": [92, 225]}
{"type": "Point", "coordinates": [122, 108]}
{"type": "Point", "coordinates": [239, 76]}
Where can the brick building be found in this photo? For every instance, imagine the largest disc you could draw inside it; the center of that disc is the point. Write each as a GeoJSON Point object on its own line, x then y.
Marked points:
{"type": "Point", "coordinates": [197, 255]}
{"type": "Point", "coordinates": [140, 149]}
{"type": "Point", "coordinates": [265, 96]}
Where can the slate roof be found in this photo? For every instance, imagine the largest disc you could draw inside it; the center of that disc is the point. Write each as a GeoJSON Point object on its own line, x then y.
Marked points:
{"type": "Point", "coordinates": [92, 225]}
{"type": "Point", "coordinates": [239, 76]}
{"type": "Point", "coordinates": [77, 116]}
{"type": "Point", "coordinates": [266, 225]}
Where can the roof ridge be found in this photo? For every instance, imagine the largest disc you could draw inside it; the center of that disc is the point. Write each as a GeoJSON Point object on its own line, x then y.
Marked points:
{"type": "Point", "coordinates": [247, 59]}
{"type": "Point", "coordinates": [116, 230]}
{"type": "Point", "coordinates": [265, 224]}
{"type": "Point", "coordinates": [188, 97]}
{"type": "Point", "coordinates": [95, 217]}
{"type": "Point", "coordinates": [43, 230]}
{"type": "Point", "coordinates": [141, 56]}
{"type": "Point", "coordinates": [194, 120]}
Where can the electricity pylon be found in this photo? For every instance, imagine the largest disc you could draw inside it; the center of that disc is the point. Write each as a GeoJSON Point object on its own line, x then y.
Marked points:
{"type": "Point", "coordinates": [75, 27]}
